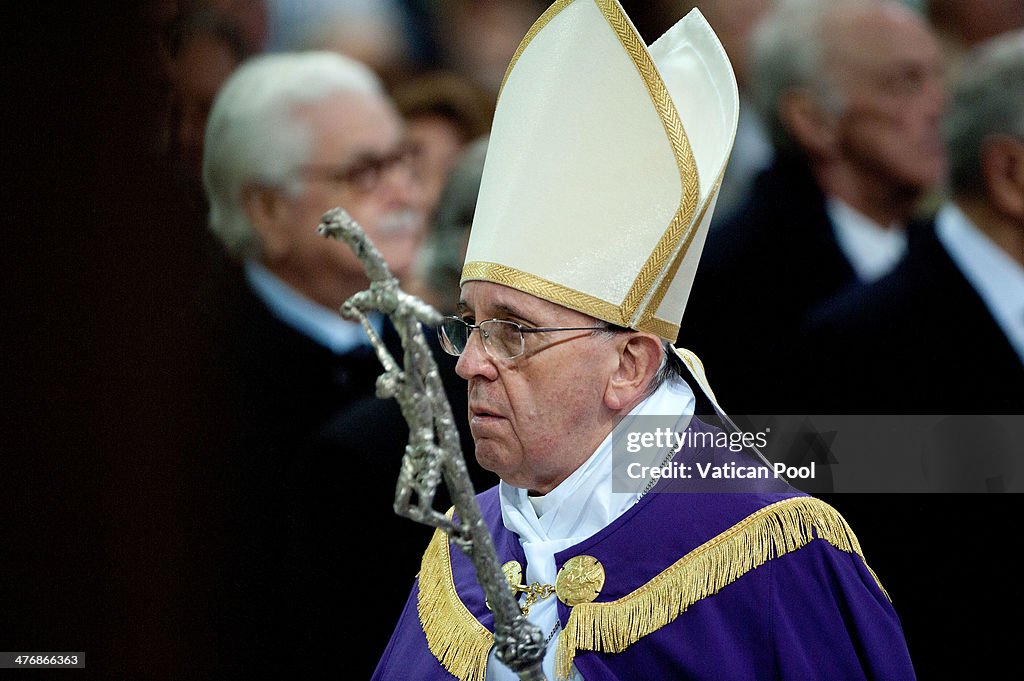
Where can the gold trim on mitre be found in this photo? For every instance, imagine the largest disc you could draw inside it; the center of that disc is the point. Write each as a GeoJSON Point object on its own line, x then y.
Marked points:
{"type": "Point", "coordinates": [562, 295]}
{"type": "Point", "coordinates": [648, 320]}
{"type": "Point", "coordinates": [454, 636]}
{"type": "Point", "coordinates": [768, 533]}
{"type": "Point", "coordinates": [638, 307]}
{"type": "Point", "coordinates": [542, 288]}
{"type": "Point", "coordinates": [541, 22]}
{"type": "Point", "coordinates": [682, 225]}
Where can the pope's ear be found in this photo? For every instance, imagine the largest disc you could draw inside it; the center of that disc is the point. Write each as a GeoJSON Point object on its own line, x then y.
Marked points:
{"type": "Point", "coordinates": [268, 211]}
{"type": "Point", "coordinates": [639, 359]}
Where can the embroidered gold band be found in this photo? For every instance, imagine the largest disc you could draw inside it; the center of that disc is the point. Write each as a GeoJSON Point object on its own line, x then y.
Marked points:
{"type": "Point", "coordinates": [681, 228]}
{"type": "Point", "coordinates": [561, 295]}
{"type": "Point", "coordinates": [771, 532]}
{"type": "Point", "coordinates": [682, 223]}
{"type": "Point", "coordinates": [666, 281]}
{"type": "Point", "coordinates": [549, 14]}
{"type": "Point", "coordinates": [542, 288]}
{"type": "Point", "coordinates": [696, 368]}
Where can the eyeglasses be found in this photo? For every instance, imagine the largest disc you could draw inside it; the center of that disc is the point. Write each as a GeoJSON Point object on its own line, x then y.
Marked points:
{"type": "Point", "coordinates": [502, 339]}
{"type": "Point", "coordinates": [366, 173]}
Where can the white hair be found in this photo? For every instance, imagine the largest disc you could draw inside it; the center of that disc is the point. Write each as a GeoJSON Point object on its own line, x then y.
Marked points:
{"type": "Point", "coordinates": [789, 49]}
{"type": "Point", "coordinates": [253, 137]}
{"type": "Point", "coordinates": [987, 100]}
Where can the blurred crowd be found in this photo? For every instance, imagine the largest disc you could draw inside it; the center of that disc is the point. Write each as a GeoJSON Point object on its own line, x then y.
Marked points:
{"type": "Point", "coordinates": [866, 256]}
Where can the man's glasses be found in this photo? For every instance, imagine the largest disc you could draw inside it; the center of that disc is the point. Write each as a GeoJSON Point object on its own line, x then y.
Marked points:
{"type": "Point", "coordinates": [502, 339]}
{"type": "Point", "coordinates": [365, 174]}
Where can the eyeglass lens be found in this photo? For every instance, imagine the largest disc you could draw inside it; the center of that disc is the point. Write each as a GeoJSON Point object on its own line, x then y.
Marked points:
{"type": "Point", "coordinates": [501, 339]}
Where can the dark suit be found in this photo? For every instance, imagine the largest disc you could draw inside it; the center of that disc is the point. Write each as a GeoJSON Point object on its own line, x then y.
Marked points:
{"type": "Point", "coordinates": [296, 522]}
{"type": "Point", "coordinates": [371, 550]}
{"type": "Point", "coordinates": [918, 341]}
{"type": "Point", "coordinates": [921, 341]}
{"type": "Point", "coordinates": [758, 276]}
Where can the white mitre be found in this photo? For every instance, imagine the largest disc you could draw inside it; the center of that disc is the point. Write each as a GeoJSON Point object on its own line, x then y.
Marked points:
{"type": "Point", "coordinates": [604, 165]}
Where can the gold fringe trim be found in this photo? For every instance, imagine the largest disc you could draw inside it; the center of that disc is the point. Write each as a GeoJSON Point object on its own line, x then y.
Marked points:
{"type": "Point", "coordinates": [768, 533]}
{"type": "Point", "coordinates": [459, 642]}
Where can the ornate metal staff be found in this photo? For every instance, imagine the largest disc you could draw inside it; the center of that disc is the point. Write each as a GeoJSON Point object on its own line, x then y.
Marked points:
{"type": "Point", "coordinates": [433, 451]}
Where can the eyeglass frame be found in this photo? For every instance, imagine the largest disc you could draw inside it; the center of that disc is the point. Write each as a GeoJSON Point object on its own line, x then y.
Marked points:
{"type": "Point", "coordinates": [348, 175]}
{"type": "Point", "coordinates": [523, 330]}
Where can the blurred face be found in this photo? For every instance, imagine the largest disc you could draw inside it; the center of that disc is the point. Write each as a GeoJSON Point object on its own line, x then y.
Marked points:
{"type": "Point", "coordinates": [359, 161]}
{"type": "Point", "coordinates": [889, 68]}
{"type": "Point", "coordinates": [202, 67]}
{"type": "Point", "coordinates": [536, 418]}
{"type": "Point", "coordinates": [437, 145]}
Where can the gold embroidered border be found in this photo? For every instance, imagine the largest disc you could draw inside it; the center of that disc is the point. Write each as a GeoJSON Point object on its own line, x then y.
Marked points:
{"type": "Point", "coordinates": [542, 288]}
{"type": "Point", "coordinates": [542, 21]}
{"type": "Point", "coordinates": [696, 368]}
{"type": "Point", "coordinates": [681, 226]}
{"type": "Point", "coordinates": [455, 637]}
{"type": "Point", "coordinates": [666, 281]}
{"type": "Point", "coordinates": [676, 133]}
{"type": "Point", "coordinates": [771, 532]}
{"type": "Point", "coordinates": [662, 328]}
{"type": "Point", "coordinates": [562, 295]}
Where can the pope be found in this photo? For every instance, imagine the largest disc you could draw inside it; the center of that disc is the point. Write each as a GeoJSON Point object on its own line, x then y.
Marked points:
{"type": "Point", "coordinates": [600, 180]}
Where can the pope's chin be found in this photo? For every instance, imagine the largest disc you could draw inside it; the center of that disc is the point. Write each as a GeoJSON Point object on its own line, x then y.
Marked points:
{"type": "Point", "coordinates": [492, 456]}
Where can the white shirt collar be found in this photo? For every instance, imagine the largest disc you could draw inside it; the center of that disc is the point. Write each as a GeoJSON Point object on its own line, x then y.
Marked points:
{"type": "Point", "coordinates": [326, 327]}
{"type": "Point", "coordinates": [873, 250]}
{"type": "Point", "coordinates": [582, 505]}
{"type": "Point", "coordinates": [995, 276]}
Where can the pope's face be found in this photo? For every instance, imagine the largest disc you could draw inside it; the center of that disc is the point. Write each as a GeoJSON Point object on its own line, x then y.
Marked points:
{"type": "Point", "coordinates": [537, 417]}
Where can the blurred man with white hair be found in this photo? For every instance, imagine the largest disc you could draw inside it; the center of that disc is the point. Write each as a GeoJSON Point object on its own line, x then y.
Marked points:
{"type": "Point", "coordinates": [962, 292]}
{"type": "Point", "coordinates": [944, 334]}
{"type": "Point", "coordinates": [289, 137]}
{"type": "Point", "coordinates": [852, 93]}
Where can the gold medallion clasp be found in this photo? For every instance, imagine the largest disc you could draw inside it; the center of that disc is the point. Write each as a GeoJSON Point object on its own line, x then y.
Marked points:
{"type": "Point", "coordinates": [580, 580]}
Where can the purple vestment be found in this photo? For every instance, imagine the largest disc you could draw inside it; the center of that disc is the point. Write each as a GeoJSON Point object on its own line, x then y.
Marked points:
{"type": "Point", "coordinates": [805, 609]}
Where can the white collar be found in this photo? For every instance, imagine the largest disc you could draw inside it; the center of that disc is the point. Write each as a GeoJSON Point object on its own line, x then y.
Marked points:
{"type": "Point", "coordinates": [995, 276]}
{"type": "Point", "coordinates": [872, 250]}
{"type": "Point", "coordinates": [326, 327]}
{"type": "Point", "coordinates": [582, 505]}
{"type": "Point", "coordinates": [584, 502]}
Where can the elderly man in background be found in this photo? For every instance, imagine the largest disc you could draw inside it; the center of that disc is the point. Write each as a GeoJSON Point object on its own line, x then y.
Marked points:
{"type": "Point", "coordinates": [289, 137]}
{"type": "Point", "coordinates": [961, 293]}
{"type": "Point", "coordinates": [852, 92]}
{"type": "Point", "coordinates": [597, 194]}
{"type": "Point", "coordinates": [944, 334]}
